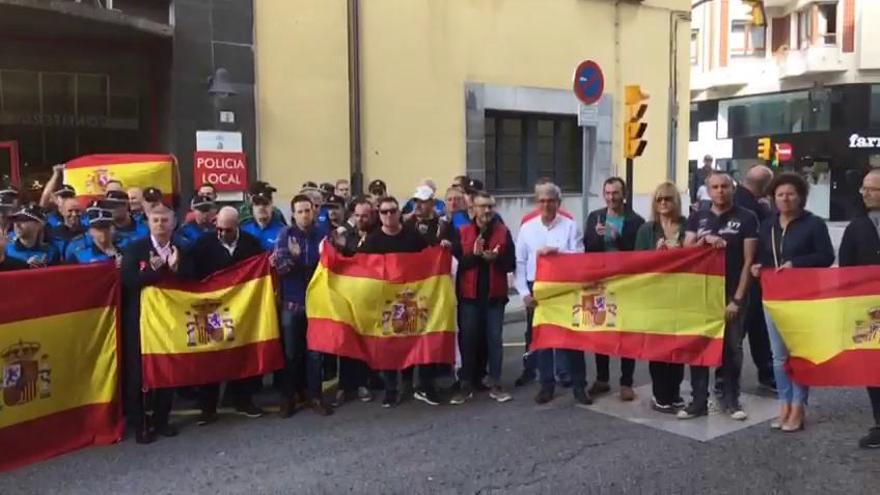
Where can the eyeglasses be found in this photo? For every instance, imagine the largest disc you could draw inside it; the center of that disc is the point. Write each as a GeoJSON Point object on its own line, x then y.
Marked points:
{"type": "Point", "coordinates": [661, 199]}
{"type": "Point", "coordinates": [388, 212]}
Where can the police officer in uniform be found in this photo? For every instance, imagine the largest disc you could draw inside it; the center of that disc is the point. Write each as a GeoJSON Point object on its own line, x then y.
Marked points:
{"type": "Point", "coordinates": [263, 226]}
{"type": "Point", "coordinates": [70, 228]}
{"type": "Point", "coordinates": [144, 262]}
{"type": "Point", "coordinates": [28, 246]}
{"type": "Point", "coordinates": [204, 211]}
{"type": "Point", "coordinates": [127, 230]}
{"type": "Point", "coordinates": [102, 246]}
{"type": "Point", "coordinates": [56, 218]}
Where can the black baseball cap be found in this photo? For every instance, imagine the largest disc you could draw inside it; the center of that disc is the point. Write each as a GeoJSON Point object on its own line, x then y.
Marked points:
{"type": "Point", "coordinates": [99, 217]}
{"type": "Point", "coordinates": [336, 200]}
{"type": "Point", "coordinates": [309, 185]}
{"type": "Point", "coordinates": [152, 195]}
{"type": "Point", "coordinates": [66, 191]}
{"type": "Point", "coordinates": [327, 187]}
{"type": "Point", "coordinates": [261, 198]}
{"type": "Point", "coordinates": [261, 186]}
{"type": "Point", "coordinates": [473, 185]}
{"type": "Point", "coordinates": [376, 185]}
{"type": "Point", "coordinates": [30, 213]}
{"type": "Point", "coordinates": [114, 199]}
{"type": "Point", "coordinates": [202, 203]}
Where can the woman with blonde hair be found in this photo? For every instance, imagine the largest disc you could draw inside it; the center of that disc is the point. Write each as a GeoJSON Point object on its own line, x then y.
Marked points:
{"type": "Point", "coordinates": [665, 230]}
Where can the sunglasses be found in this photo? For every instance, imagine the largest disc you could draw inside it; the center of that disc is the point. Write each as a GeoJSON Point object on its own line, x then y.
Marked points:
{"type": "Point", "coordinates": [387, 212]}
{"type": "Point", "coordinates": [661, 199]}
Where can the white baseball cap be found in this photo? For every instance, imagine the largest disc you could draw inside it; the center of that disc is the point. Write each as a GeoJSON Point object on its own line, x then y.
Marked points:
{"type": "Point", "coordinates": [424, 193]}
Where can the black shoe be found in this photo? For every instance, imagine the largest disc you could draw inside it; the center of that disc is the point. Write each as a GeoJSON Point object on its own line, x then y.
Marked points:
{"type": "Point", "coordinates": [206, 418]}
{"type": "Point", "coordinates": [693, 410]}
{"type": "Point", "coordinates": [167, 430]}
{"type": "Point", "coordinates": [390, 400]}
{"type": "Point", "coordinates": [287, 409]}
{"type": "Point", "coordinates": [768, 385]}
{"type": "Point", "coordinates": [544, 396]}
{"type": "Point", "coordinates": [321, 408]}
{"type": "Point", "coordinates": [250, 410]}
{"type": "Point", "coordinates": [480, 386]}
{"type": "Point", "coordinates": [429, 397]}
{"type": "Point", "coordinates": [599, 388]}
{"type": "Point", "coordinates": [662, 408]}
{"type": "Point", "coordinates": [678, 403]}
{"type": "Point", "coordinates": [871, 440]}
{"type": "Point", "coordinates": [582, 397]}
{"type": "Point", "coordinates": [524, 379]}
{"type": "Point", "coordinates": [143, 436]}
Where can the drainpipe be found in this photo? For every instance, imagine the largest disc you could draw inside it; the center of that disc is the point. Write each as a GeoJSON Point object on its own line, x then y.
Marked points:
{"type": "Point", "coordinates": [354, 98]}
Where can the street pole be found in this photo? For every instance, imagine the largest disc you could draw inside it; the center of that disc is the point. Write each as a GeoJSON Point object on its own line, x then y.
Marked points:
{"type": "Point", "coordinates": [629, 184]}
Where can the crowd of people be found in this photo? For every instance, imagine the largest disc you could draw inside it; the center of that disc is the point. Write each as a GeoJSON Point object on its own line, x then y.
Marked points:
{"type": "Point", "coordinates": [761, 224]}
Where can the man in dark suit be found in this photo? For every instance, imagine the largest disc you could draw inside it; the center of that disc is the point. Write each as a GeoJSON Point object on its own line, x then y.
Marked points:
{"type": "Point", "coordinates": [613, 228]}
{"type": "Point", "coordinates": [144, 262]}
{"type": "Point", "coordinates": [210, 254]}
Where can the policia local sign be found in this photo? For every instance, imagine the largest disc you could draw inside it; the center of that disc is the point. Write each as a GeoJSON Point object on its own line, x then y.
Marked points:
{"type": "Point", "coordinates": [220, 160]}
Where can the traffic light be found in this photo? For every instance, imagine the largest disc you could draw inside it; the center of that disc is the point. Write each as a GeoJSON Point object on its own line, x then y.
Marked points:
{"type": "Point", "coordinates": [764, 148]}
{"type": "Point", "coordinates": [634, 128]}
{"type": "Point", "coordinates": [756, 12]}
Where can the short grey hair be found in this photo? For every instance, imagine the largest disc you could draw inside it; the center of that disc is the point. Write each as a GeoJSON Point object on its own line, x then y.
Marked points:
{"type": "Point", "coordinates": [548, 189]}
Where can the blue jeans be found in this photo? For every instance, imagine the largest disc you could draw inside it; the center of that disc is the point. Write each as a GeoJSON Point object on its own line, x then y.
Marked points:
{"type": "Point", "coordinates": [303, 368]}
{"type": "Point", "coordinates": [572, 362]}
{"type": "Point", "coordinates": [789, 391]}
{"type": "Point", "coordinates": [481, 322]}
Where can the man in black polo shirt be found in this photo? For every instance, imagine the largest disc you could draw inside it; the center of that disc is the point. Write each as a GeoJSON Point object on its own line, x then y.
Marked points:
{"type": "Point", "coordinates": [394, 237]}
{"type": "Point", "coordinates": [749, 195]}
{"type": "Point", "coordinates": [735, 229]}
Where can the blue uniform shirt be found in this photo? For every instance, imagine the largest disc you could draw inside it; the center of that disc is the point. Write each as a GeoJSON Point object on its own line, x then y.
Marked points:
{"type": "Point", "coordinates": [125, 235]}
{"type": "Point", "coordinates": [267, 235]}
{"type": "Point", "coordinates": [189, 233]}
{"type": "Point", "coordinates": [47, 252]}
{"type": "Point", "coordinates": [91, 254]}
{"type": "Point", "coordinates": [54, 220]}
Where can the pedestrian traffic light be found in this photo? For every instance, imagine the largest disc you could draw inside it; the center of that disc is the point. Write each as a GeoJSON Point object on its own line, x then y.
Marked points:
{"type": "Point", "coordinates": [756, 12]}
{"type": "Point", "coordinates": [634, 128]}
{"type": "Point", "coordinates": [764, 148]}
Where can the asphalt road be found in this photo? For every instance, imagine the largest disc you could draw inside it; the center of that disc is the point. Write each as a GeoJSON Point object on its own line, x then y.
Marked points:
{"type": "Point", "coordinates": [481, 447]}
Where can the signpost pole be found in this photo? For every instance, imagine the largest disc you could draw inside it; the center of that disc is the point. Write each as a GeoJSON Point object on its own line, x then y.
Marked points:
{"type": "Point", "coordinates": [629, 184]}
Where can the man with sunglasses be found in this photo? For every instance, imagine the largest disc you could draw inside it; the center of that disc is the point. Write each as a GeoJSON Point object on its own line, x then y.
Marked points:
{"type": "Point", "coordinates": [394, 237]}
{"type": "Point", "coordinates": [210, 254]}
{"type": "Point", "coordinates": [613, 228]}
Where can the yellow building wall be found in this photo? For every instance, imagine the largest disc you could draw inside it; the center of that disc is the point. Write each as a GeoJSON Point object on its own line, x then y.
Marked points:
{"type": "Point", "coordinates": [417, 56]}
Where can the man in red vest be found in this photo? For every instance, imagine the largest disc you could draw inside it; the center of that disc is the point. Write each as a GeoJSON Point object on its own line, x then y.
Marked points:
{"type": "Point", "coordinates": [486, 254]}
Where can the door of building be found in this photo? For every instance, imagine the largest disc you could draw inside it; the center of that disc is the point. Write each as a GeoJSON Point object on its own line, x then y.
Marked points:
{"type": "Point", "coordinates": [9, 167]}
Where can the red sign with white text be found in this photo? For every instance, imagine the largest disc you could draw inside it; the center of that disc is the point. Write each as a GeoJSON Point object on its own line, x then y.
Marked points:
{"type": "Point", "coordinates": [226, 170]}
{"type": "Point", "coordinates": [784, 152]}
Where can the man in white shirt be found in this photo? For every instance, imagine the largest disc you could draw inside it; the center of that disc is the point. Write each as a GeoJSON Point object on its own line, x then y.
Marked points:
{"type": "Point", "coordinates": [545, 235]}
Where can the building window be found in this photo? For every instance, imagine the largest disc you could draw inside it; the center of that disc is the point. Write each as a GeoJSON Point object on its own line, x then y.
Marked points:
{"type": "Point", "coordinates": [520, 147]}
{"type": "Point", "coordinates": [827, 23]}
{"type": "Point", "coordinates": [695, 123]}
{"type": "Point", "coordinates": [805, 27]}
{"type": "Point", "coordinates": [695, 46]}
{"type": "Point", "coordinates": [781, 113]}
{"type": "Point", "coordinates": [746, 39]}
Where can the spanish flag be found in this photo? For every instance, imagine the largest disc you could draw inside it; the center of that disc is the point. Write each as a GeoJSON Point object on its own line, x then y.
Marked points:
{"type": "Point", "coordinates": [829, 319]}
{"type": "Point", "coordinates": [59, 386]}
{"type": "Point", "coordinates": [651, 305]}
{"type": "Point", "coordinates": [391, 310]}
{"type": "Point", "coordinates": [224, 327]}
{"type": "Point", "coordinates": [89, 174]}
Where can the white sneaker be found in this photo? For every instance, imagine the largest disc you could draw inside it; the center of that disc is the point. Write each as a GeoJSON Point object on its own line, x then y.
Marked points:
{"type": "Point", "coordinates": [739, 415]}
{"type": "Point", "coordinates": [499, 395]}
{"type": "Point", "coordinates": [364, 394]}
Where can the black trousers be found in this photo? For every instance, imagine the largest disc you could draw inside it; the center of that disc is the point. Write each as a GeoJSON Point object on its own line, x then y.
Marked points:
{"type": "Point", "coordinates": [756, 329]}
{"type": "Point", "coordinates": [239, 391]}
{"type": "Point", "coordinates": [874, 395]}
{"type": "Point", "coordinates": [666, 381]}
{"type": "Point", "coordinates": [603, 373]}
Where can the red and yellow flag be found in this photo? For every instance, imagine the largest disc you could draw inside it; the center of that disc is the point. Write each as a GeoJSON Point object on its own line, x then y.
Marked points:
{"type": "Point", "coordinates": [829, 319]}
{"type": "Point", "coordinates": [59, 367]}
{"type": "Point", "coordinates": [224, 327]}
{"type": "Point", "coordinates": [89, 174]}
{"type": "Point", "coordinates": [651, 305]}
{"type": "Point", "coordinates": [392, 311]}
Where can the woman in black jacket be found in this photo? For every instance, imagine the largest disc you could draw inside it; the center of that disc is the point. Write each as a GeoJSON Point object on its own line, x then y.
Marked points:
{"type": "Point", "coordinates": [792, 237]}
